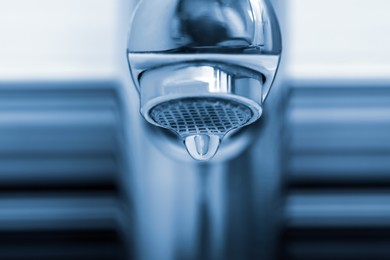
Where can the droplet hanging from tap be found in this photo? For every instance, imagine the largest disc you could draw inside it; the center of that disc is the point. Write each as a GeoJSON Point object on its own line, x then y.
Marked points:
{"type": "Point", "coordinates": [202, 147]}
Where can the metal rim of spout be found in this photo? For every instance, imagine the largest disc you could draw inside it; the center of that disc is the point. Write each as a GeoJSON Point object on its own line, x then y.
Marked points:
{"type": "Point", "coordinates": [200, 81]}
{"type": "Point", "coordinates": [266, 65]}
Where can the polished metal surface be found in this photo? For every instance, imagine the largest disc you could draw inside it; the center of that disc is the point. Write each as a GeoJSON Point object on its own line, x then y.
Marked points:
{"type": "Point", "coordinates": [205, 26]}
{"type": "Point", "coordinates": [198, 80]}
{"type": "Point", "coordinates": [217, 50]}
{"type": "Point", "coordinates": [216, 31]}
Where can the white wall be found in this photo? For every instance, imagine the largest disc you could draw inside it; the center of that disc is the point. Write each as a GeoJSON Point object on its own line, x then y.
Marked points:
{"type": "Point", "coordinates": [338, 39]}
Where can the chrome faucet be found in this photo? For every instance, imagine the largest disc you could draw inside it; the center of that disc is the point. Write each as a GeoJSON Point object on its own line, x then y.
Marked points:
{"type": "Point", "coordinates": [203, 68]}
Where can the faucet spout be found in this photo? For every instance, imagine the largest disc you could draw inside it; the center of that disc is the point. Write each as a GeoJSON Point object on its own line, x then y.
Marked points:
{"type": "Point", "coordinates": [203, 67]}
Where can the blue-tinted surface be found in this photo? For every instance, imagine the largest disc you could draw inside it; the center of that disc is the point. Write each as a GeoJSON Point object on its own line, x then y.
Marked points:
{"type": "Point", "coordinates": [82, 176]}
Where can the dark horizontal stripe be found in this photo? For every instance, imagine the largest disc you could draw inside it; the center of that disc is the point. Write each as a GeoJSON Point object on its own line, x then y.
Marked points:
{"type": "Point", "coordinates": [328, 185]}
{"type": "Point", "coordinates": [50, 189]}
{"type": "Point", "coordinates": [337, 234]}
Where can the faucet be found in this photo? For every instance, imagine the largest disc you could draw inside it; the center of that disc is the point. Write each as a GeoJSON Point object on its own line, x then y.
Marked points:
{"type": "Point", "coordinates": [203, 68]}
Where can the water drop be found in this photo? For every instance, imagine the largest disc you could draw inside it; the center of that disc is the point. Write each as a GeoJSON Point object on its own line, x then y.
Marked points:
{"type": "Point", "coordinates": [202, 147]}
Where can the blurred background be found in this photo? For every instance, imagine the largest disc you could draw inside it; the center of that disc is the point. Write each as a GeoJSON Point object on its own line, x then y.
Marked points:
{"type": "Point", "coordinates": [82, 176]}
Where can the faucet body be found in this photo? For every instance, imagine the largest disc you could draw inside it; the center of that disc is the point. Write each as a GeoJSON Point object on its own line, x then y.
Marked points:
{"type": "Point", "coordinates": [225, 50]}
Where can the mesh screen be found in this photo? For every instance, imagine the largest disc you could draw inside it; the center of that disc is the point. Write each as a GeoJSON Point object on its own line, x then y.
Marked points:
{"type": "Point", "coordinates": [192, 116]}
